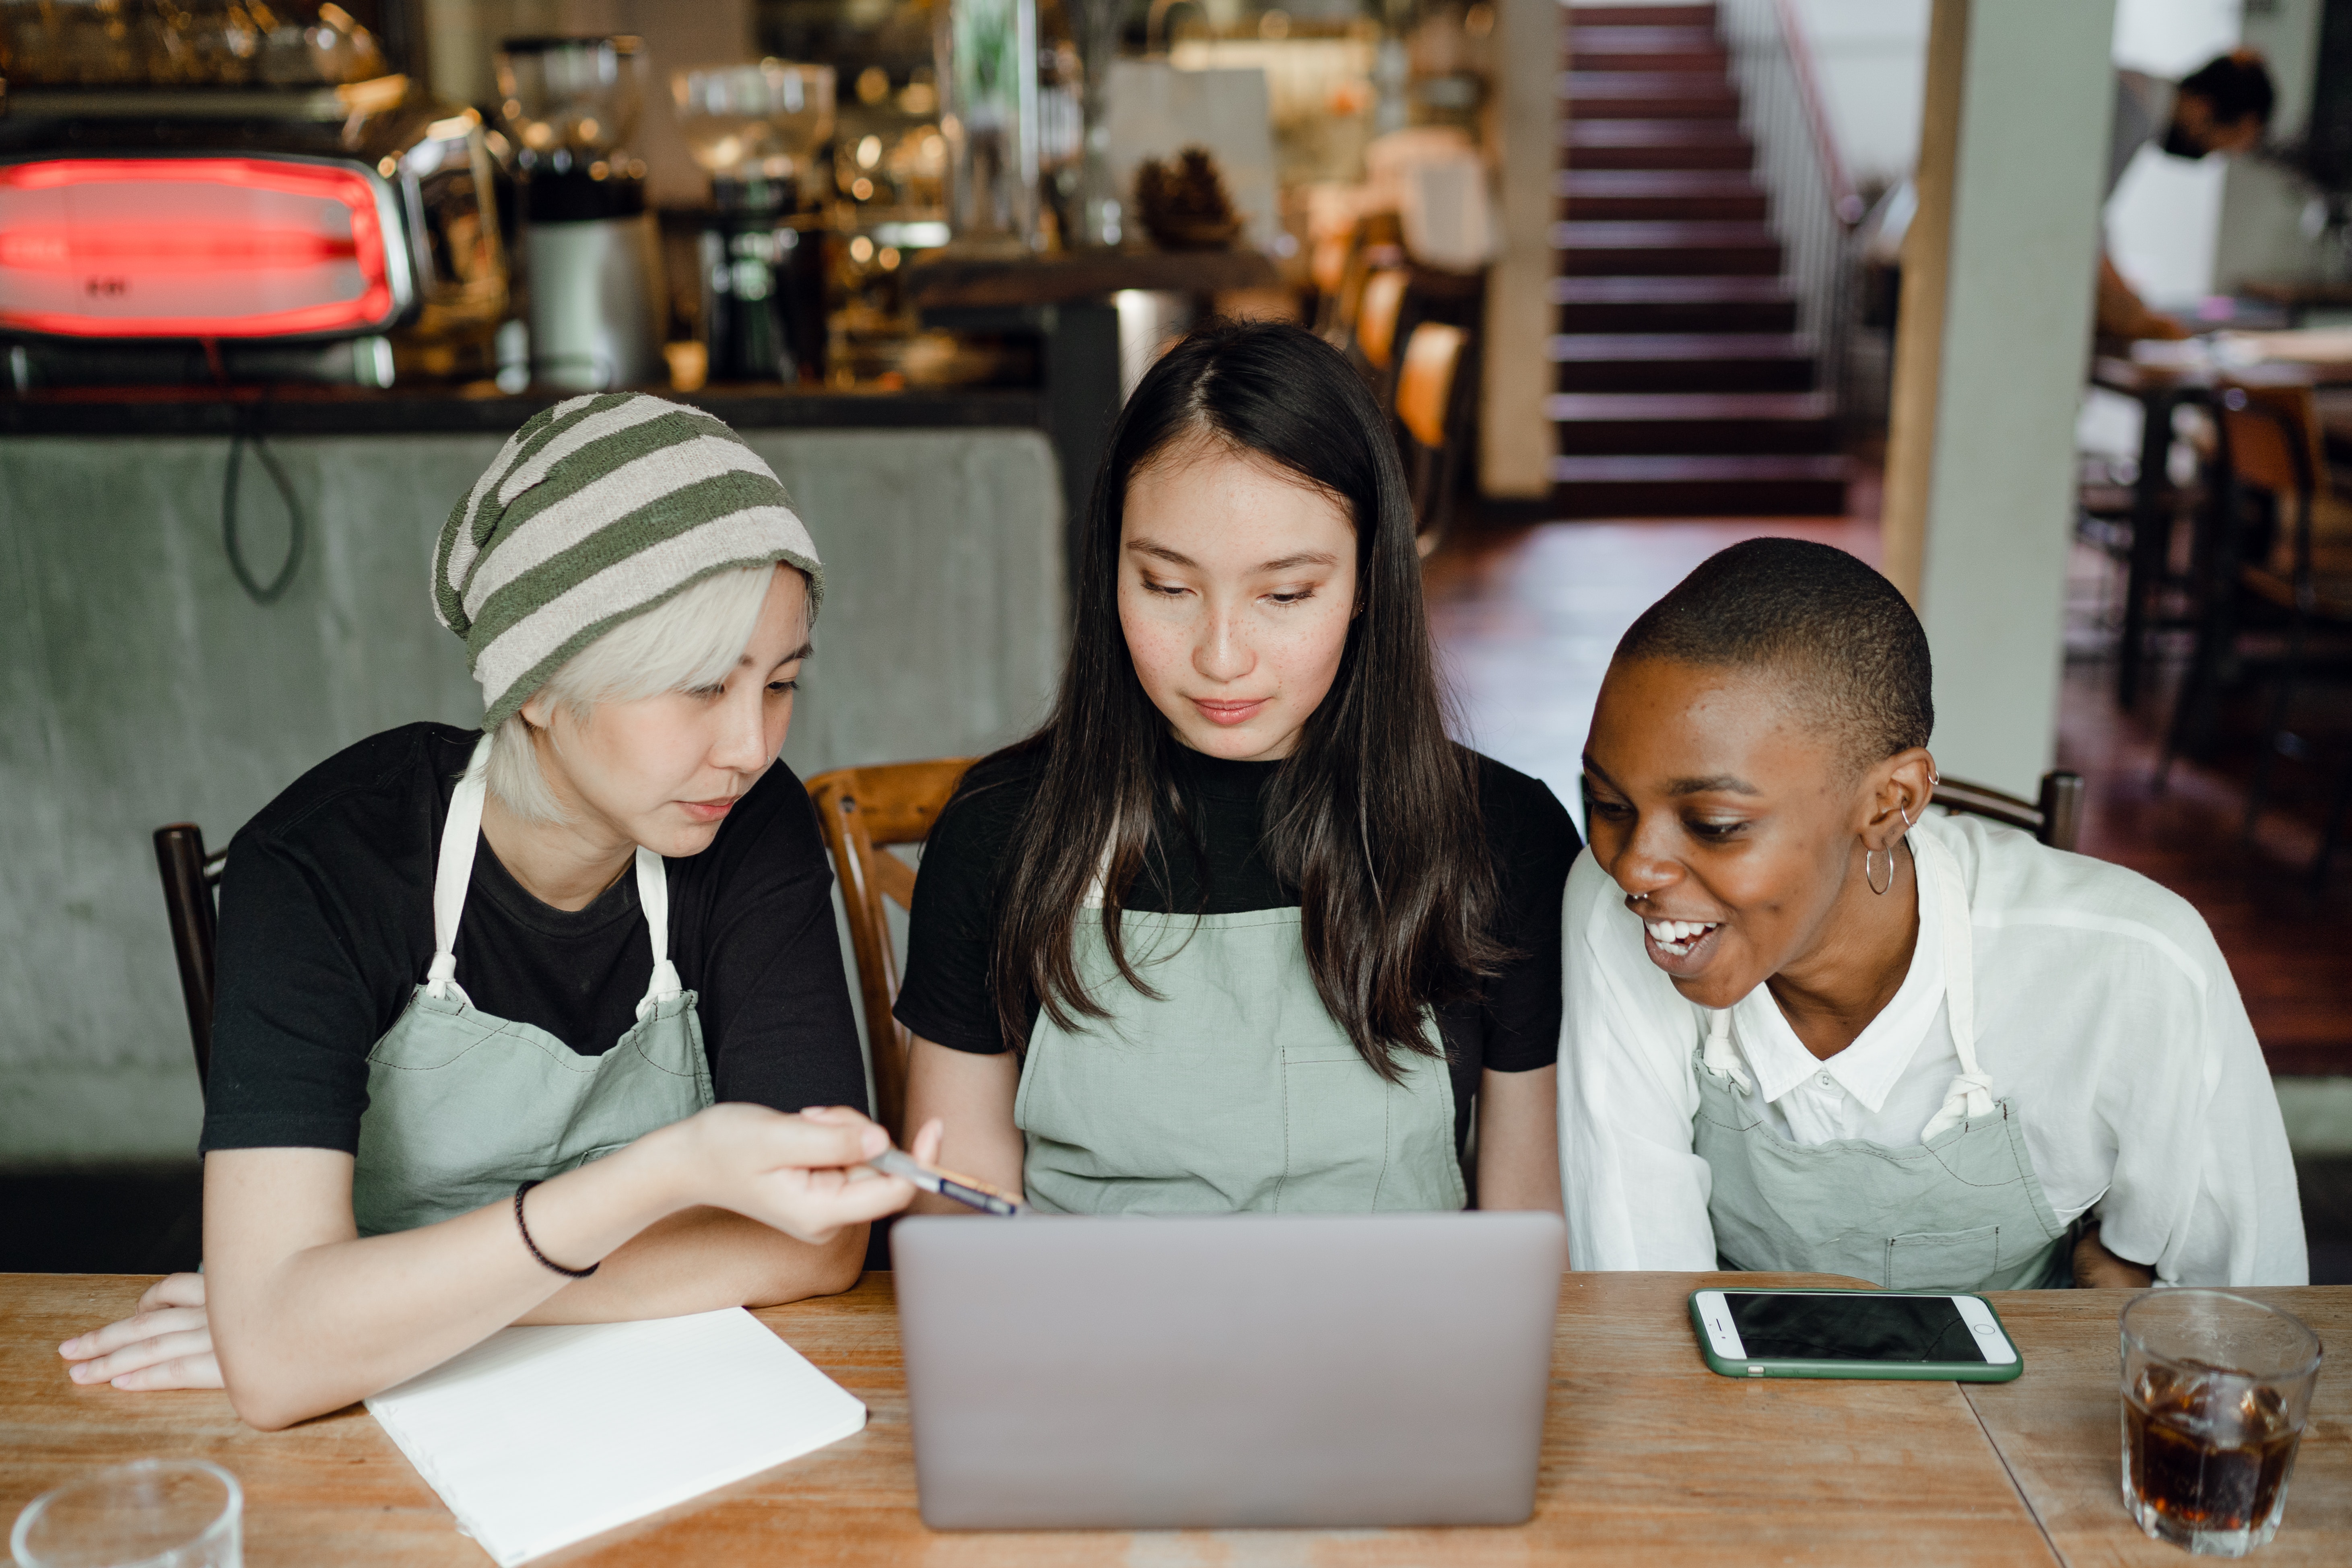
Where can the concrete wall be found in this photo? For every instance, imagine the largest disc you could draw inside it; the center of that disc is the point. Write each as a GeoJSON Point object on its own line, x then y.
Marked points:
{"type": "Point", "coordinates": [1989, 366]}
{"type": "Point", "coordinates": [139, 686]}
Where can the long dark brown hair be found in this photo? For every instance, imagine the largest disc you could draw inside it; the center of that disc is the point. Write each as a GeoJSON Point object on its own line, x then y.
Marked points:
{"type": "Point", "coordinates": [1373, 819]}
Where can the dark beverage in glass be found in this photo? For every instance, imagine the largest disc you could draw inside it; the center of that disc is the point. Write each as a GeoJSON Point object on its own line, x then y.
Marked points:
{"type": "Point", "coordinates": [2216, 1388]}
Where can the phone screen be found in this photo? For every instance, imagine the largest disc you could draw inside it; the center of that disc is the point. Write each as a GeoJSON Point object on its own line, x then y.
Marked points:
{"type": "Point", "coordinates": [1851, 1328]}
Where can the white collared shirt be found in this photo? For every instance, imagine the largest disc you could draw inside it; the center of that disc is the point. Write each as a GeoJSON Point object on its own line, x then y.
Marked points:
{"type": "Point", "coordinates": [2105, 1013]}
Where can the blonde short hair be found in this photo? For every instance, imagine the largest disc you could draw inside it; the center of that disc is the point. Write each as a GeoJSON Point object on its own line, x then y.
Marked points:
{"type": "Point", "coordinates": [688, 641]}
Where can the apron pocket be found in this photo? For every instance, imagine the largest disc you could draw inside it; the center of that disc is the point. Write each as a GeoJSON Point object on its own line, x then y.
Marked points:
{"type": "Point", "coordinates": [1943, 1260]}
{"type": "Point", "coordinates": [1336, 1134]}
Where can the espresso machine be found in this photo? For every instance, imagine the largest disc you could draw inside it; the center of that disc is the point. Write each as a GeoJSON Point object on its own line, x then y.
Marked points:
{"type": "Point", "coordinates": [591, 256]}
{"type": "Point", "coordinates": [217, 206]}
{"type": "Point", "coordinates": [756, 130]}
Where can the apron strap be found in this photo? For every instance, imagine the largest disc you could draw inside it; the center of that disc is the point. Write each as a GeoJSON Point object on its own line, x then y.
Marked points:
{"type": "Point", "coordinates": [652, 898]}
{"type": "Point", "coordinates": [453, 873]}
{"type": "Point", "coordinates": [1970, 1095]}
{"type": "Point", "coordinates": [1721, 1058]}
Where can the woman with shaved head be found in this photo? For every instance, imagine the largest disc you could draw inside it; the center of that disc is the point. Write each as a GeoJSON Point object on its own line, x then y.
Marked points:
{"type": "Point", "coordinates": [1814, 1023]}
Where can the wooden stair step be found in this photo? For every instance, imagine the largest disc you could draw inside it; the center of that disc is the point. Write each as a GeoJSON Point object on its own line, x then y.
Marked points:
{"type": "Point", "coordinates": [1674, 305]}
{"type": "Point", "coordinates": [1641, 16]}
{"type": "Point", "coordinates": [1614, 424]}
{"type": "Point", "coordinates": [1655, 144]}
{"type": "Point", "coordinates": [1683, 362]}
{"type": "Point", "coordinates": [1624, 249]}
{"type": "Point", "coordinates": [1641, 95]}
{"type": "Point", "coordinates": [1659, 194]}
{"type": "Point", "coordinates": [1700, 486]}
{"type": "Point", "coordinates": [1569, 347]}
{"type": "Point", "coordinates": [1646, 49]}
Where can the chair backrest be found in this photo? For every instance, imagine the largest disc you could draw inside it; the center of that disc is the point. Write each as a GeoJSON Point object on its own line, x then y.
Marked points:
{"type": "Point", "coordinates": [2056, 818]}
{"type": "Point", "coordinates": [191, 878]}
{"type": "Point", "coordinates": [864, 811]}
{"type": "Point", "coordinates": [1434, 415]}
{"type": "Point", "coordinates": [1377, 313]}
{"type": "Point", "coordinates": [2273, 437]}
{"type": "Point", "coordinates": [1424, 394]}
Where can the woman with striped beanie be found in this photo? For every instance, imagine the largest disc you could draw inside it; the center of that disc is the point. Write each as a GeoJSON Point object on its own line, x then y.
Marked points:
{"type": "Point", "coordinates": [518, 1024]}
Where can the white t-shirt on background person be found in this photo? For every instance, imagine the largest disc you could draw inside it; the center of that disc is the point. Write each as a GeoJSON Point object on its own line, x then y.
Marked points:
{"type": "Point", "coordinates": [2105, 1015]}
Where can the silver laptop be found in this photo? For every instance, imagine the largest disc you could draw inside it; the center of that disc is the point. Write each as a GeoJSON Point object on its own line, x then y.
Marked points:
{"type": "Point", "coordinates": [1228, 1370]}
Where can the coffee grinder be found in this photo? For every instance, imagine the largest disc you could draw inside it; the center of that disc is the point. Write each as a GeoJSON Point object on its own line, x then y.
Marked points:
{"type": "Point", "coordinates": [592, 253]}
{"type": "Point", "coordinates": [757, 130]}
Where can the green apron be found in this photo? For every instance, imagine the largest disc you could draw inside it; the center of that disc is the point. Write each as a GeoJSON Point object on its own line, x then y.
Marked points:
{"type": "Point", "coordinates": [463, 1107]}
{"type": "Point", "coordinates": [1234, 1091]}
{"type": "Point", "coordinates": [1960, 1210]}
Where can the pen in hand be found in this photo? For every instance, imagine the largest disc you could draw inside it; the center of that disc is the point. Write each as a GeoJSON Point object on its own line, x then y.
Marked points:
{"type": "Point", "coordinates": [969, 1190]}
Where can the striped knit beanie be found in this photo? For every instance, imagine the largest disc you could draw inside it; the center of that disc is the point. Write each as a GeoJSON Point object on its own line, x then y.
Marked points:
{"type": "Point", "coordinates": [598, 510]}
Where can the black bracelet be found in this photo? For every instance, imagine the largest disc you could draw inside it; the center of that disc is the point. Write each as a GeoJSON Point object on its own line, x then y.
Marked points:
{"type": "Point", "coordinates": [535, 1252]}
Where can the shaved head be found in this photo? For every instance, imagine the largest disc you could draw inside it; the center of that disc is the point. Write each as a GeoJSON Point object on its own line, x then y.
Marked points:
{"type": "Point", "coordinates": [1851, 654]}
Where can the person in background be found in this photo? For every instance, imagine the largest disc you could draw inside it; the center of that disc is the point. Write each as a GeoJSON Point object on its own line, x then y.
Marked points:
{"type": "Point", "coordinates": [2223, 107]}
{"type": "Point", "coordinates": [479, 990]}
{"type": "Point", "coordinates": [1241, 928]}
{"type": "Point", "coordinates": [1815, 1024]}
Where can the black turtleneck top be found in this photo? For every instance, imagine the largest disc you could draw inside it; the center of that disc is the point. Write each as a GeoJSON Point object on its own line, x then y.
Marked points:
{"type": "Point", "coordinates": [1513, 1027]}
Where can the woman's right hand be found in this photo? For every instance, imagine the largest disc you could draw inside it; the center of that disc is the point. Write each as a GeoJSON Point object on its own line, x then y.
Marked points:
{"type": "Point", "coordinates": [805, 1175]}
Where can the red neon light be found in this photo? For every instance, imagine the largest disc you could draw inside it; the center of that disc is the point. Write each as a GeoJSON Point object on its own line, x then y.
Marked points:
{"type": "Point", "coordinates": [62, 248]}
{"type": "Point", "coordinates": [129, 250]}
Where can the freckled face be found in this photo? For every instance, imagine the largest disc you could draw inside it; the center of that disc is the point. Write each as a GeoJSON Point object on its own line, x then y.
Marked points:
{"type": "Point", "coordinates": [1237, 582]}
{"type": "Point", "coordinates": [1729, 820]}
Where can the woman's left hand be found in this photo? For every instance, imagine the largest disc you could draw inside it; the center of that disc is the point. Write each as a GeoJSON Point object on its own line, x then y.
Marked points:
{"type": "Point", "coordinates": [166, 1343]}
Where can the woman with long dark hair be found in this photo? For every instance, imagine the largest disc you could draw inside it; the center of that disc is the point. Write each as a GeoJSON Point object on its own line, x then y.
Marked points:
{"type": "Point", "coordinates": [1241, 928]}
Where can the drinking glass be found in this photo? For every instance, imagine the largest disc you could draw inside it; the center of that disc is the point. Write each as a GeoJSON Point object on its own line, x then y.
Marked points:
{"type": "Point", "coordinates": [767, 120]}
{"type": "Point", "coordinates": [152, 1513]}
{"type": "Point", "coordinates": [2216, 1387]}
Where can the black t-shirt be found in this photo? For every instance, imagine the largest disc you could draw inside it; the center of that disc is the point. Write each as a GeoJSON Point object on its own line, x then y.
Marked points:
{"type": "Point", "coordinates": [326, 930]}
{"type": "Point", "coordinates": [1513, 1027]}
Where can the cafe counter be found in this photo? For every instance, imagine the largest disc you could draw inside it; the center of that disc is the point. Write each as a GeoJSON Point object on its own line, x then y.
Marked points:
{"type": "Point", "coordinates": [155, 669]}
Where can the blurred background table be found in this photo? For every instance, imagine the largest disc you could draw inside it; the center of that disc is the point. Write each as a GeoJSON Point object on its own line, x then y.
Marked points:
{"type": "Point", "coordinates": [2163, 378]}
{"type": "Point", "coordinates": [1647, 1455]}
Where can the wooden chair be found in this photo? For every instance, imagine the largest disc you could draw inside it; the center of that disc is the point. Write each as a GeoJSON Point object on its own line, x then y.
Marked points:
{"type": "Point", "coordinates": [1377, 242]}
{"type": "Point", "coordinates": [2268, 439]}
{"type": "Point", "coordinates": [2056, 818]}
{"type": "Point", "coordinates": [1378, 314]}
{"type": "Point", "coordinates": [863, 811]}
{"type": "Point", "coordinates": [191, 884]}
{"type": "Point", "coordinates": [1433, 414]}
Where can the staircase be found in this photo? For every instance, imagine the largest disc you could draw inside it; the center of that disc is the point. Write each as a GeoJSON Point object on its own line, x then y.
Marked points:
{"type": "Point", "coordinates": [1684, 388]}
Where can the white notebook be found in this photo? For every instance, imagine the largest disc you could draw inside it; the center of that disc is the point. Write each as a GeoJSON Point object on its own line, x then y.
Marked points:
{"type": "Point", "coordinates": [538, 1437]}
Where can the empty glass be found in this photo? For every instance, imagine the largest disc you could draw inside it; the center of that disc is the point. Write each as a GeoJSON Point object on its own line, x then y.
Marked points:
{"type": "Point", "coordinates": [2216, 1387]}
{"type": "Point", "coordinates": [152, 1514]}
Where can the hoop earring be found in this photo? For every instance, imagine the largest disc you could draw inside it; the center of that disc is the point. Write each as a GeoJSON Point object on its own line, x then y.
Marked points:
{"type": "Point", "coordinates": [1908, 823]}
{"type": "Point", "coordinates": [1867, 882]}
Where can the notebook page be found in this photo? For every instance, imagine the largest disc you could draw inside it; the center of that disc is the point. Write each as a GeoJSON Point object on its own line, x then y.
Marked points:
{"type": "Point", "coordinates": [541, 1436]}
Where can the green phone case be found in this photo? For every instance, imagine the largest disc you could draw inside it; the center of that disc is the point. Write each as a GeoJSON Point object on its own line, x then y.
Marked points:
{"type": "Point", "coordinates": [1908, 1371]}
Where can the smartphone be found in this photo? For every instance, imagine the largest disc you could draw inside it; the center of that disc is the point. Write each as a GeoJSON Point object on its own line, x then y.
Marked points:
{"type": "Point", "coordinates": [1924, 1335]}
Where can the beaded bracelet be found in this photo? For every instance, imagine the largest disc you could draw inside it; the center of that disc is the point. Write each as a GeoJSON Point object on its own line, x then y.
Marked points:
{"type": "Point", "coordinates": [535, 1252]}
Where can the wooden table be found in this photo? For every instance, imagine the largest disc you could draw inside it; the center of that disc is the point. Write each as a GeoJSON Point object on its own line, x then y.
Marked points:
{"type": "Point", "coordinates": [1647, 1455]}
{"type": "Point", "coordinates": [2058, 1430]}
